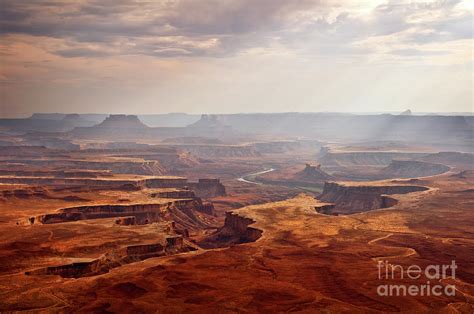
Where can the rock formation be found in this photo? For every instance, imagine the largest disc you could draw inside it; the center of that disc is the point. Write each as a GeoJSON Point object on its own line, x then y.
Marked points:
{"type": "Point", "coordinates": [121, 121]}
{"type": "Point", "coordinates": [129, 254]}
{"type": "Point", "coordinates": [411, 168]}
{"type": "Point", "coordinates": [206, 188]}
{"type": "Point", "coordinates": [182, 212]}
{"type": "Point", "coordinates": [350, 159]}
{"type": "Point", "coordinates": [349, 199]}
{"type": "Point", "coordinates": [235, 230]}
{"type": "Point", "coordinates": [312, 174]}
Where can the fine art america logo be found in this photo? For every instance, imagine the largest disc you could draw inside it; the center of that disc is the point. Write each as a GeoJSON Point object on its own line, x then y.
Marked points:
{"type": "Point", "coordinates": [431, 278]}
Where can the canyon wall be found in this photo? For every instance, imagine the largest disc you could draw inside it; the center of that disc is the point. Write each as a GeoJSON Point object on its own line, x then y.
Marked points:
{"type": "Point", "coordinates": [236, 230]}
{"type": "Point", "coordinates": [348, 159]}
{"type": "Point", "coordinates": [207, 188]}
{"type": "Point", "coordinates": [182, 212]}
{"type": "Point", "coordinates": [349, 199]}
{"type": "Point", "coordinates": [204, 188]}
{"type": "Point", "coordinates": [411, 169]}
{"type": "Point", "coordinates": [118, 167]}
{"type": "Point", "coordinates": [118, 257]}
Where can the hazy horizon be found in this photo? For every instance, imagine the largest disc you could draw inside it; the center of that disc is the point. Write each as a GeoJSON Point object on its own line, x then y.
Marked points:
{"type": "Point", "coordinates": [235, 56]}
{"type": "Point", "coordinates": [449, 113]}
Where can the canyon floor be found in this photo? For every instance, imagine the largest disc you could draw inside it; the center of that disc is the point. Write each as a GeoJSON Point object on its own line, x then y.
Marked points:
{"type": "Point", "coordinates": [160, 230]}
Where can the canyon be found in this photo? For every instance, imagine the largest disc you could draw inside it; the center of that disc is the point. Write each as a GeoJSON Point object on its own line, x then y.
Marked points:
{"type": "Point", "coordinates": [231, 213]}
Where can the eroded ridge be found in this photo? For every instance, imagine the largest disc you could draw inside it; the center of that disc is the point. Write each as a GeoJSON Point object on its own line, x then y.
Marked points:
{"type": "Point", "coordinates": [116, 258]}
{"type": "Point", "coordinates": [350, 199]}
{"type": "Point", "coordinates": [202, 188]}
{"type": "Point", "coordinates": [177, 210]}
{"type": "Point", "coordinates": [236, 230]}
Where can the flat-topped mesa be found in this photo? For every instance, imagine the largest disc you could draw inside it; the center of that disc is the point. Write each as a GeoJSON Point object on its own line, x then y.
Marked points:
{"type": "Point", "coordinates": [183, 212]}
{"type": "Point", "coordinates": [122, 121]}
{"type": "Point", "coordinates": [209, 121]}
{"type": "Point", "coordinates": [206, 188]}
{"type": "Point", "coordinates": [350, 199]}
{"type": "Point", "coordinates": [116, 128]}
{"type": "Point", "coordinates": [148, 167]}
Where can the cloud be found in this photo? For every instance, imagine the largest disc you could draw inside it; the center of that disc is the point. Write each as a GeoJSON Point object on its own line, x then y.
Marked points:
{"type": "Point", "coordinates": [81, 52]}
{"type": "Point", "coordinates": [416, 52]}
{"type": "Point", "coordinates": [151, 27]}
{"type": "Point", "coordinates": [215, 28]}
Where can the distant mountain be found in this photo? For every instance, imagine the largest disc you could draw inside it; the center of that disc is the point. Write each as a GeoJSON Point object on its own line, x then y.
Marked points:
{"type": "Point", "coordinates": [209, 121]}
{"type": "Point", "coordinates": [153, 120]}
{"type": "Point", "coordinates": [45, 123]}
{"type": "Point", "coordinates": [121, 121]}
{"type": "Point", "coordinates": [48, 116]}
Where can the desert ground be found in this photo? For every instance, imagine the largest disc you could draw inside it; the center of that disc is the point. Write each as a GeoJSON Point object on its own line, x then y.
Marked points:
{"type": "Point", "coordinates": [118, 216]}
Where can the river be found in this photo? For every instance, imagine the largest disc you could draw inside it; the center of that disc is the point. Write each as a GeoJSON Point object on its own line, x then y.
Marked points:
{"type": "Point", "coordinates": [249, 178]}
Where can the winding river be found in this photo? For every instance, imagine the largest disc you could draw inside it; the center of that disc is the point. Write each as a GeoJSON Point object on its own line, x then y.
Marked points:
{"type": "Point", "coordinates": [250, 178]}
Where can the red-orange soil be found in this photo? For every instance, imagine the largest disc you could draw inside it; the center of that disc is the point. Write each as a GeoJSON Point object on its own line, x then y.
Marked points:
{"type": "Point", "coordinates": [127, 234]}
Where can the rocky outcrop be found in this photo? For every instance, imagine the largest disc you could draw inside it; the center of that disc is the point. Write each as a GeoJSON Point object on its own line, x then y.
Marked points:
{"type": "Point", "coordinates": [36, 192]}
{"type": "Point", "coordinates": [182, 212]}
{"type": "Point", "coordinates": [121, 121]}
{"type": "Point", "coordinates": [208, 126]}
{"type": "Point", "coordinates": [207, 188]}
{"type": "Point", "coordinates": [349, 199]}
{"type": "Point", "coordinates": [114, 127]}
{"type": "Point", "coordinates": [312, 173]}
{"type": "Point", "coordinates": [411, 168]}
{"type": "Point", "coordinates": [204, 188]}
{"type": "Point", "coordinates": [55, 173]}
{"type": "Point", "coordinates": [70, 182]}
{"type": "Point", "coordinates": [156, 182]}
{"type": "Point", "coordinates": [126, 221]}
{"type": "Point", "coordinates": [325, 209]}
{"type": "Point", "coordinates": [32, 192]}
{"type": "Point", "coordinates": [129, 254]}
{"type": "Point", "coordinates": [236, 230]}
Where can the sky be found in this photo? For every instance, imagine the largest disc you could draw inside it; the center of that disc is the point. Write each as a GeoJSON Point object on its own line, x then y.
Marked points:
{"type": "Point", "coordinates": [229, 56]}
